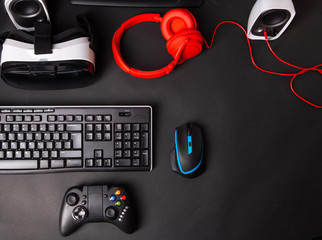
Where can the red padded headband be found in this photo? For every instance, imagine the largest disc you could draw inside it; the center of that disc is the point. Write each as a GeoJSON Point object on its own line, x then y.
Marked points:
{"type": "Point", "coordinates": [149, 17]}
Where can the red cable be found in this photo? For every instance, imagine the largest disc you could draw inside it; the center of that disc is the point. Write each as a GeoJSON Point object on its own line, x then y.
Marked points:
{"type": "Point", "coordinates": [293, 75]}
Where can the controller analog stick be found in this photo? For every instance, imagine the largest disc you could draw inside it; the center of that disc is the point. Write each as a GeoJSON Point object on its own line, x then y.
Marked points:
{"type": "Point", "coordinates": [79, 213]}
{"type": "Point", "coordinates": [72, 199]}
{"type": "Point", "coordinates": [26, 8]}
{"type": "Point", "coordinates": [111, 213]}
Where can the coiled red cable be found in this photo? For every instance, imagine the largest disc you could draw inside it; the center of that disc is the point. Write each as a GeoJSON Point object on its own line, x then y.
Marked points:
{"type": "Point", "coordinates": [293, 75]}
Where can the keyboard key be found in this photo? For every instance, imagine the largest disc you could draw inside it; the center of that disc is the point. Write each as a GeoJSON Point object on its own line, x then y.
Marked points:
{"type": "Point", "coordinates": [51, 127]}
{"type": "Point", "coordinates": [99, 118]}
{"type": "Point", "coordinates": [9, 154]}
{"type": "Point", "coordinates": [136, 153]}
{"type": "Point", "coordinates": [145, 158]}
{"type": "Point", "coordinates": [60, 118]}
{"type": "Point", "coordinates": [98, 127]}
{"type": "Point", "coordinates": [19, 118]}
{"type": "Point", "coordinates": [10, 118]}
{"type": "Point", "coordinates": [54, 154]}
{"type": "Point", "coordinates": [43, 164]}
{"type": "Point", "coordinates": [89, 136]}
{"type": "Point", "coordinates": [70, 163]}
{"type": "Point", "coordinates": [78, 118]}
{"type": "Point", "coordinates": [136, 127]}
{"type": "Point", "coordinates": [98, 162]}
{"type": "Point", "coordinates": [127, 127]}
{"type": "Point", "coordinates": [77, 140]}
{"type": "Point", "coordinates": [28, 118]}
{"type": "Point", "coordinates": [144, 127]}
{"type": "Point", "coordinates": [89, 118]}
{"type": "Point", "coordinates": [118, 153]}
{"type": "Point", "coordinates": [145, 140]}
{"type": "Point", "coordinates": [37, 118]}
{"type": "Point", "coordinates": [68, 145]}
{"type": "Point", "coordinates": [136, 162]}
{"type": "Point", "coordinates": [107, 127]}
{"type": "Point", "coordinates": [16, 128]}
{"type": "Point", "coordinates": [98, 153]}
{"type": "Point", "coordinates": [107, 162]}
{"type": "Point", "coordinates": [89, 162]}
{"type": "Point", "coordinates": [3, 137]}
{"type": "Point", "coordinates": [118, 145]}
{"type": "Point", "coordinates": [27, 154]}
{"type": "Point", "coordinates": [69, 118]}
{"type": "Point", "coordinates": [89, 127]}
{"type": "Point", "coordinates": [107, 118]}
{"type": "Point", "coordinates": [107, 137]}
{"type": "Point", "coordinates": [73, 127]}
{"type": "Point", "coordinates": [7, 128]}
{"type": "Point", "coordinates": [127, 154]}
{"type": "Point", "coordinates": [57, 163]}
{"type": "Point", "coordinates": [71, 154]}
{"type": "Point", "coordinates": [98, 136]}
{"type": "Point", "coordinates": [36, 154]}
{"type": "Point", "coordinates": [118, 127]}
{"type": "Point", "coordinates": [122, 162]}
{"type": "Point", "coordinates": [18, 164]}
{"type": "Point", "coordinates": [61, 127]}
{"type": "Point", "coordinates": [51, 118]}
{"type": "Point", "coordinates": [136, 136]}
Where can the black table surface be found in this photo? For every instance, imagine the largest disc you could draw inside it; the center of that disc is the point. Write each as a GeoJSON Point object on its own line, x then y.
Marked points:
{"type": "Point", "coordinates": [263, 146]}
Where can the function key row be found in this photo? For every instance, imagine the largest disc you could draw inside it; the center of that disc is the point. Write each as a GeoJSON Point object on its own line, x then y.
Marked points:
{"type": "Point", "coordinates": [64, 118]}
{"type": "Point", "coordinates": [98, 118]}
{"type": "Point", "coordinates": [23, 118]}
{"type": "Point", "coordinates": [128, 127]}
{"type": "Point", "coordinates": [34, 110]}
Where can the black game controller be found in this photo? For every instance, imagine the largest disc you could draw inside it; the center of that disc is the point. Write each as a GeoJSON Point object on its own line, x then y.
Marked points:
{"type": "Point", "coordinates": [96, 204]}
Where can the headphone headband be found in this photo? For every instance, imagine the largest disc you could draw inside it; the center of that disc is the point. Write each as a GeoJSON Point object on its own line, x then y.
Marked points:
{"type": "Point", "coordinates": [116, 42]}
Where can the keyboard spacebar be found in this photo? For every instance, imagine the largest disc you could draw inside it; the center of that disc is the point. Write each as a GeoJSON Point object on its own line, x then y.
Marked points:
{"type": "Point", "coordinates": [18, 164]}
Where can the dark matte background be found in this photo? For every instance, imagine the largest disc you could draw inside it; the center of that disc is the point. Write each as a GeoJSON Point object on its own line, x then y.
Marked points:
{"type": "Point", "coordinates": [263, 145]}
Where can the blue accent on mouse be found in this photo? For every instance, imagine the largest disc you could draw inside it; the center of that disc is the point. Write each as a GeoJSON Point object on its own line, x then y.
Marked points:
{"type": "Point", "coordinates": [178, 158]}
{"type": "Point", "coordinates": [189, 145]}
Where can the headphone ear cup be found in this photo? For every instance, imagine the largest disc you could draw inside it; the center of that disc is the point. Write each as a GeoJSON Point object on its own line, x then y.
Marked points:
{"type": "Point", "coordinates": [175, 21]}
{"type": "Point", "coordinates": [192, 48]}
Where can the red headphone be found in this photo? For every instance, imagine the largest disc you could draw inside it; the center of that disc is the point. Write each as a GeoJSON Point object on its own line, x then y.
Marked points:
{"type": "Point", "coordinates": [178, 27]}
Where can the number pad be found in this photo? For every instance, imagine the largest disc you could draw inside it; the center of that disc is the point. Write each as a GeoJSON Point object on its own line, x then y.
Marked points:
{"type": "Point", "coordinates": [130, 142]}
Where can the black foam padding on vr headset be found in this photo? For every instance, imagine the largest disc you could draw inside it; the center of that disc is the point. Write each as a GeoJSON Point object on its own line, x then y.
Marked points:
{"type": "Point", "coordinates": [70, 34]}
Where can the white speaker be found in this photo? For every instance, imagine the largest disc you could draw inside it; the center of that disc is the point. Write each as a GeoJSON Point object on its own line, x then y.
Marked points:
{"type": "Point", "coordinates": [272, 16]}
{"type": "Point", "coordinates": [24, 13]}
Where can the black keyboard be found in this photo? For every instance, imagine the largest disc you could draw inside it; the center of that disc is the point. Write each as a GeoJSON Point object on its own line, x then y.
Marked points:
{"type": "Point", "coordinates": [75, 138]}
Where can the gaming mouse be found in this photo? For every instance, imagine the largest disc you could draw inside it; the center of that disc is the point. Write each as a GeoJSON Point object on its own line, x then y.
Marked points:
{"type": "Point", "coordinates": [187, 155]}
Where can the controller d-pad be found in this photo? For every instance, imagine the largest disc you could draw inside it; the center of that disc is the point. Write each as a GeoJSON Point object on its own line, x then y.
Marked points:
{"type": "Point", "coordinates": [72, 199]}
{"type": "Point", "coordinates": [79, 213]}
{"type": "Point", "coordinates": [111, 213]}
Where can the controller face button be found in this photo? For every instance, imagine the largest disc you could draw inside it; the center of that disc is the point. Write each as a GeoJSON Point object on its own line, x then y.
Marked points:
{"type": "Point", "coordinates": [118, 203]}
{"type": "Point", "coordinates": [123, 197]}
{"type": "Point", "coordinates": [111, 213]}
{"type": "Point", "coordinates": [79, 213]}
{"type": "Point", "coordinates": [72, 199]}
{"type": "Point", "coordinates": [112, 198]}
{"type": "Point", "coordinates": [118, 192]}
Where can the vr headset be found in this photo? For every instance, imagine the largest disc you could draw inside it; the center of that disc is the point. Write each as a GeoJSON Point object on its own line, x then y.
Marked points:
{"type": "Point", "coordinates": [32, 58]}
